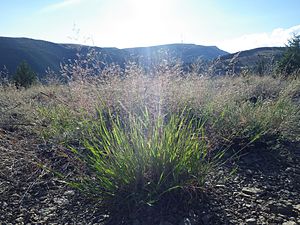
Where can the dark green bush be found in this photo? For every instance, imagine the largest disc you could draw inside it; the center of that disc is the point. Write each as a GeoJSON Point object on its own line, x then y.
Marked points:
{"type": "Point", "coordinates": [290, 63]}
{"type": "Point", "coordinates": [24, 76]}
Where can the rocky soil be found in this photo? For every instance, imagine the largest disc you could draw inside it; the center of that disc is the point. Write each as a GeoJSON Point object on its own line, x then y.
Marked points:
{"type": "Point", "coordinates": [264, 189]}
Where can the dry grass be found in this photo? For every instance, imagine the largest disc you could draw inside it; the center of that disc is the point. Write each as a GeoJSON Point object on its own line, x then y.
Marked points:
{"type": "Point", "coordinates": [162, 92]}
{"type": "Point", "coordinates": [232, 111]}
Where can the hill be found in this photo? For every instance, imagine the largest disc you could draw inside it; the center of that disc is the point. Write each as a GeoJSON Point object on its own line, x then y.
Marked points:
{"type": "Point", "coordinates": [43, 54]}
{"type": "Point", "coordinates": [257, 60]}
{"type": "Point", "coordinates": [186, 53]}
{"type": "Point", "coordinates": [39, 54]}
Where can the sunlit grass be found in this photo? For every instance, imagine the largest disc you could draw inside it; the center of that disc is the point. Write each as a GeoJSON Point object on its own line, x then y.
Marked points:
{"type": "Point", "coordinates": [139, 140]}
{"type": "Point", "coordinates": [135, 162]}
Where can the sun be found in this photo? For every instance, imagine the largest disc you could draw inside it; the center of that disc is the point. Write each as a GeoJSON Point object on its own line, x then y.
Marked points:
{"type": "Point", "coordinates": [150, 18]}
{"type": "Point", "coordinates": [137, 23]}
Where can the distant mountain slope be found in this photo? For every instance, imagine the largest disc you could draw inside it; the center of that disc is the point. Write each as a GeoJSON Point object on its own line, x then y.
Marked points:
{"type": "Point", "coordinates": [187, 53]}
{"type": "Point", "coordinates": [43, 54]}
{"type": "Point", "coordinates": [39, 54]}
{"type": "Point", "coordinates": [105, 55]}
{"type": "Point", "coordinates": [251, 60]}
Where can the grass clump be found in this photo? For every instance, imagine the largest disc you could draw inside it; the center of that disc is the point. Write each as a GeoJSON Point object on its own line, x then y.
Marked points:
{"type": "Point", "coordinates": [64, 123]}
{"type": "Point", "coordinates": [136, 162]}
{"type": "Point", "coordinates": [245, 123]}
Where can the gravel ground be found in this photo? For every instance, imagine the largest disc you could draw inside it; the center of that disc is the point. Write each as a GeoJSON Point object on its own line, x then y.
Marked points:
{"type": "Point", "coordinates": [265, 189]}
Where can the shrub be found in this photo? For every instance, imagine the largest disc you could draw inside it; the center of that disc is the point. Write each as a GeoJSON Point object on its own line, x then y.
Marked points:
{"type": "Point", "coordinates": [290, 62]}
{"type": "Point", "coordinates": [24, 76]}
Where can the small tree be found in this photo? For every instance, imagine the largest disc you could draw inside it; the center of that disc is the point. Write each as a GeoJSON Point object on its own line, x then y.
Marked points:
{"type": "Point", "coordinates": [290, 61]}
{"type": "Point", "coordinates": [24, 76]}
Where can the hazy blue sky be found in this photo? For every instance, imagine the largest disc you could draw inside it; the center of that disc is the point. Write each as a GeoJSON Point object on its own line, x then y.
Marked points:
{"type": "Point", "coordinates": [232, 25]}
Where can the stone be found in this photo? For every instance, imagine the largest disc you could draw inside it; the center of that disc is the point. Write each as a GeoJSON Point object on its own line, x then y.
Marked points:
{"type": "Point", "coordinates": [289, 223]}
{"type": "Point", "coordinates": [220, 186]}
{"type": "Point", "coordinates": [232, 221]}
{"type": "Point", "coordinates": [47, 211]}
{"type": "Point", "coordinates": [262, 219]}
{"type": "Point", "coordinates": [251, 221]}
{"type": "Point", "coordinates": [252, 191]}
{"type": "Point", "coordinates": [19, 219]}
{"type": "Point", "coordinates": [60, 201]}
{"type": "Point", "coordinates": [297, 207]}
{"type": "Point", "coordinates": [69, 193]}
{"type": "Point", "coordinates": [245, 195]}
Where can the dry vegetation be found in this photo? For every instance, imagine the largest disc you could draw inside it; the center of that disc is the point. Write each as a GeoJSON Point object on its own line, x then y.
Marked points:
{"type": "Point", "coordinates": [164, 132]}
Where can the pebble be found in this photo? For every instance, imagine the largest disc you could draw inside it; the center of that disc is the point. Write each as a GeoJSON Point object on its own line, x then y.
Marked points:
{"type": "Point", "coordinates": [69, 193]}
{"type": "Point", "coordinates": [251, 191]}
{"type": "Point", "coordinates": [20, 219]}
{"type": "Point", "coordinates": [220, 186]}
{"type": "Point", "coordinates": [261, 219]}
{"type": "Point", "coordinates": [297, 207]}
{"type": "Point", "coordinates": [274, 202]}
{"type": "Point", "coordinates": [245, 195]}
{"type": "Point", "coordinates": [248, 205]}
{"type": "Point", "coordinates": [289, 223]}
{"type": "Point", "coordinates": [251, 221]}
{"type": "Point", "coordinates": [60, 201]}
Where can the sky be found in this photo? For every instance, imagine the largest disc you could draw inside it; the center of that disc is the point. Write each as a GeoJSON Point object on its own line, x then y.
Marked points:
{"type": "Point", "coordinates": [231, 25]}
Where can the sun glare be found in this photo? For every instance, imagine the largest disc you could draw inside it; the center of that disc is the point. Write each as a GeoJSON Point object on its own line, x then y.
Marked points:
{"type": "Point", "coordinates": [150, 19]}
